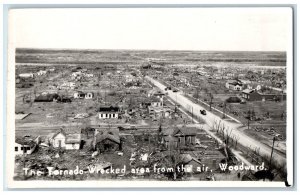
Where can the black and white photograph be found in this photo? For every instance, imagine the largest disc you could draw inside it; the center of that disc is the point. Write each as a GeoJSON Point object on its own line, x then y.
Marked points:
{"type": "Point", "coordinates": [150, 96]}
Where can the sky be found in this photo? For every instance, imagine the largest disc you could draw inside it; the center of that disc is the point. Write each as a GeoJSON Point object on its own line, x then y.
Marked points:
{"type": "Point", "coordinates": [228, 29]}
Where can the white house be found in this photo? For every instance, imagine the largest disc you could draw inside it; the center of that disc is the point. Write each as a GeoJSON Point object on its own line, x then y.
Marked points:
{"type": "Point", "coordinates": [58, 139]}
{"type": "Point", "coordinates": [41, 72]}
{"type": "Point", "coordinates": [256, 87]}
{"type": "Point", "coordinates": [67, 85]}
{"type": "Point", "coordinates": [26, 75]}
{"type": "Point", "coordinates": [75, 74]}
{"type": "Point", "coordinates": [61, 140]}
{"type": "Point", "coordinates": [234, 85]}
{"type": "Point", "coordinates": [26, 145]}
{"type": "Point", "coordinates": [81, 95]}
{"type": "Point", "coordinates": [156, 102]}
{"type": "Point", "coordinates": [230, 75]}
{"type": "Point", "coordinates": [73, 141]}
{"type": "Point", "coordinates": [89, 75]}
{"type": "Point", "coordinates": [89, 95]}
{"type": "Point", "coordinates": [108, 112]}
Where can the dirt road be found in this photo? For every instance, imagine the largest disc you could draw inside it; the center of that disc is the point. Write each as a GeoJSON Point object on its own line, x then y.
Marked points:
{"type": "Point", "coordinates": [211, 118]}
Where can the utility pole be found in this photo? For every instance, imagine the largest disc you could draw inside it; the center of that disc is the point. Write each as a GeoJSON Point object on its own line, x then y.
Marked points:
{"type": "Point", "coordinates": [211, 98]}
{"type": "Point", "coordinates": [192, 114]}
{"type": "Point", "coordinates": [270, 163]}
{"type": "Point", "coordinates": [224, 110]}
{"type": "Point", "coordinates": [249, 117]}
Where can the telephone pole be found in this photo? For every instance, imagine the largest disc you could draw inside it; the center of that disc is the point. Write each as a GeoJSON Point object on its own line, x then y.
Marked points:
{"type": "Point", "coordinates": [270, 163]}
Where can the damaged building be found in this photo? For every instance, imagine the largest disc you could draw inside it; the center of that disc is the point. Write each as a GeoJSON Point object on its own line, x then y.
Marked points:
{"type": "Point", "coordinates": [26, 144]}
{"type": "Point", "coordinates": [107, 112]}
{"type": "Point", "coordinates": [107, 140]}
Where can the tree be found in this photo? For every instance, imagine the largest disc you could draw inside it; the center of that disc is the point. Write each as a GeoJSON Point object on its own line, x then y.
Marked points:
{"type": "Point", "coordinates": [252, 114]}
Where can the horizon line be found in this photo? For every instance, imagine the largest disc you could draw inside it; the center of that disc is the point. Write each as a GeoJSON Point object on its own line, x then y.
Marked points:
{"type": "Point", "coordinates": [123, 49]}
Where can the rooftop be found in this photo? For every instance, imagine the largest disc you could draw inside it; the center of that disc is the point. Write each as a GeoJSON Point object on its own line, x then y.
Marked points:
{"type": "Point", "coordinates": [73, 138]}
{"type": "Point", "coordinates": [28, 141]}
{"type": "Point", "coordinates": [109, 109]}
{"type": "Point", "coordinates": [112, 134]}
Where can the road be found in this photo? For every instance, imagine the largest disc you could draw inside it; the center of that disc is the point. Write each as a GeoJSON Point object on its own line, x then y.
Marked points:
{"type": "Point", "coordinates": [211, 119]}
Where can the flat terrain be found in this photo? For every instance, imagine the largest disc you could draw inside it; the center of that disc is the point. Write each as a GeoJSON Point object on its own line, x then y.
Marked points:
{"type": "Point", "coordinates": [126, 78]}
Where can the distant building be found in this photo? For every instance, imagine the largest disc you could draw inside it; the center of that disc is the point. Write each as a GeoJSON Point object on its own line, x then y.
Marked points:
{"type": "Point", "coordinates": [157, 112]}
{"type": "Point", "coordinates": [230, 75]}
{"type": "Point", "coordinates": [82, 95]}
{"type": "Point", "coordinates": [79, 95]}
{"type": "Point", "coordinates": [234, 85]}
{"type": "Point", "coordinates": [47, 98]}
{"type": "Point", "coordinates": [41, 72]}
{"type": "Point", "coordinates": [67, 85]}
{"type": "Point", "coordinates": [26, 75]}
{"type": "Point", "coordinates": [251, 95]}
{"type": "Point", "coordinates": [108, 112]}
{"type": "Point", "coordinates": [89, 95]}
{"type": "Point", "coordinates": [156, 102]}
{"type": "Point", "coordinates": [241, 75]}
{"type": "Point", "coordinates": [89, 75]}
{"type": "Point", "coordinates": [256, 87]}
{"type": "Point", "coordinates": [156, 93]}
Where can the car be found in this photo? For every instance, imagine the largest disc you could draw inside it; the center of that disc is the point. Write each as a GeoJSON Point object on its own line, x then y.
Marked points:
{"type": "Point", "coordinates": [175, 90]}
{"type": "Point", "coordinates": [203, 112]}
{"type": "Point", "coordinates": [133, 128]}
{"type": "Point", "coordinates": [121, 128]}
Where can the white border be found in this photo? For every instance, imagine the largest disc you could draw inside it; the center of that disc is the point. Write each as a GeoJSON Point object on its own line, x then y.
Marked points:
{"type": "Point", "coordinates": [137, 184]}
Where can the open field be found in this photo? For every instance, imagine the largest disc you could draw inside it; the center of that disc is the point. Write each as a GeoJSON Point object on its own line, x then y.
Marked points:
{"type": "Point", "coordinates": [115, 57]}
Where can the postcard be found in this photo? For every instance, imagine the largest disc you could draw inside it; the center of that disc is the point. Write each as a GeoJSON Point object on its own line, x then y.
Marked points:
{"type": "Point", "coordinates": [150, 97]}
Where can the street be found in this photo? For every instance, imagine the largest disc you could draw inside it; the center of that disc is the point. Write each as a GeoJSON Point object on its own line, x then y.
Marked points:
{"type": "Point", "coordinates": [211, 118]}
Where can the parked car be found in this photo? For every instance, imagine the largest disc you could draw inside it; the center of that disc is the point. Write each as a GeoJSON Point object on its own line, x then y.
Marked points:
{"type": "Point", "coordinates": [203, 112]}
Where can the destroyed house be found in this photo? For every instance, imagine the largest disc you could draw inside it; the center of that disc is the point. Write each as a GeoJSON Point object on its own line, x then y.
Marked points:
{"type": "Point", "coordinates": [26, 145]}
{"type": "Point", "coordinates": [178, 137]}
{"type": "Point", "coordinates": [190, 163]}
{"type": "Point", "coordinates": [47, 98]}
{"type": "Point", "coordinates": [79, 95]}
{"type": "Point", "coordinates": [107, 140]}
{"type": "Point", "coordinates": [186, 136]}
{"type": "Point", "coordinates": [108, 112]}
{"type": "Point", "coordinates": [156, 102]}
{"type": "Point", "coordinates": [156, 93]}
